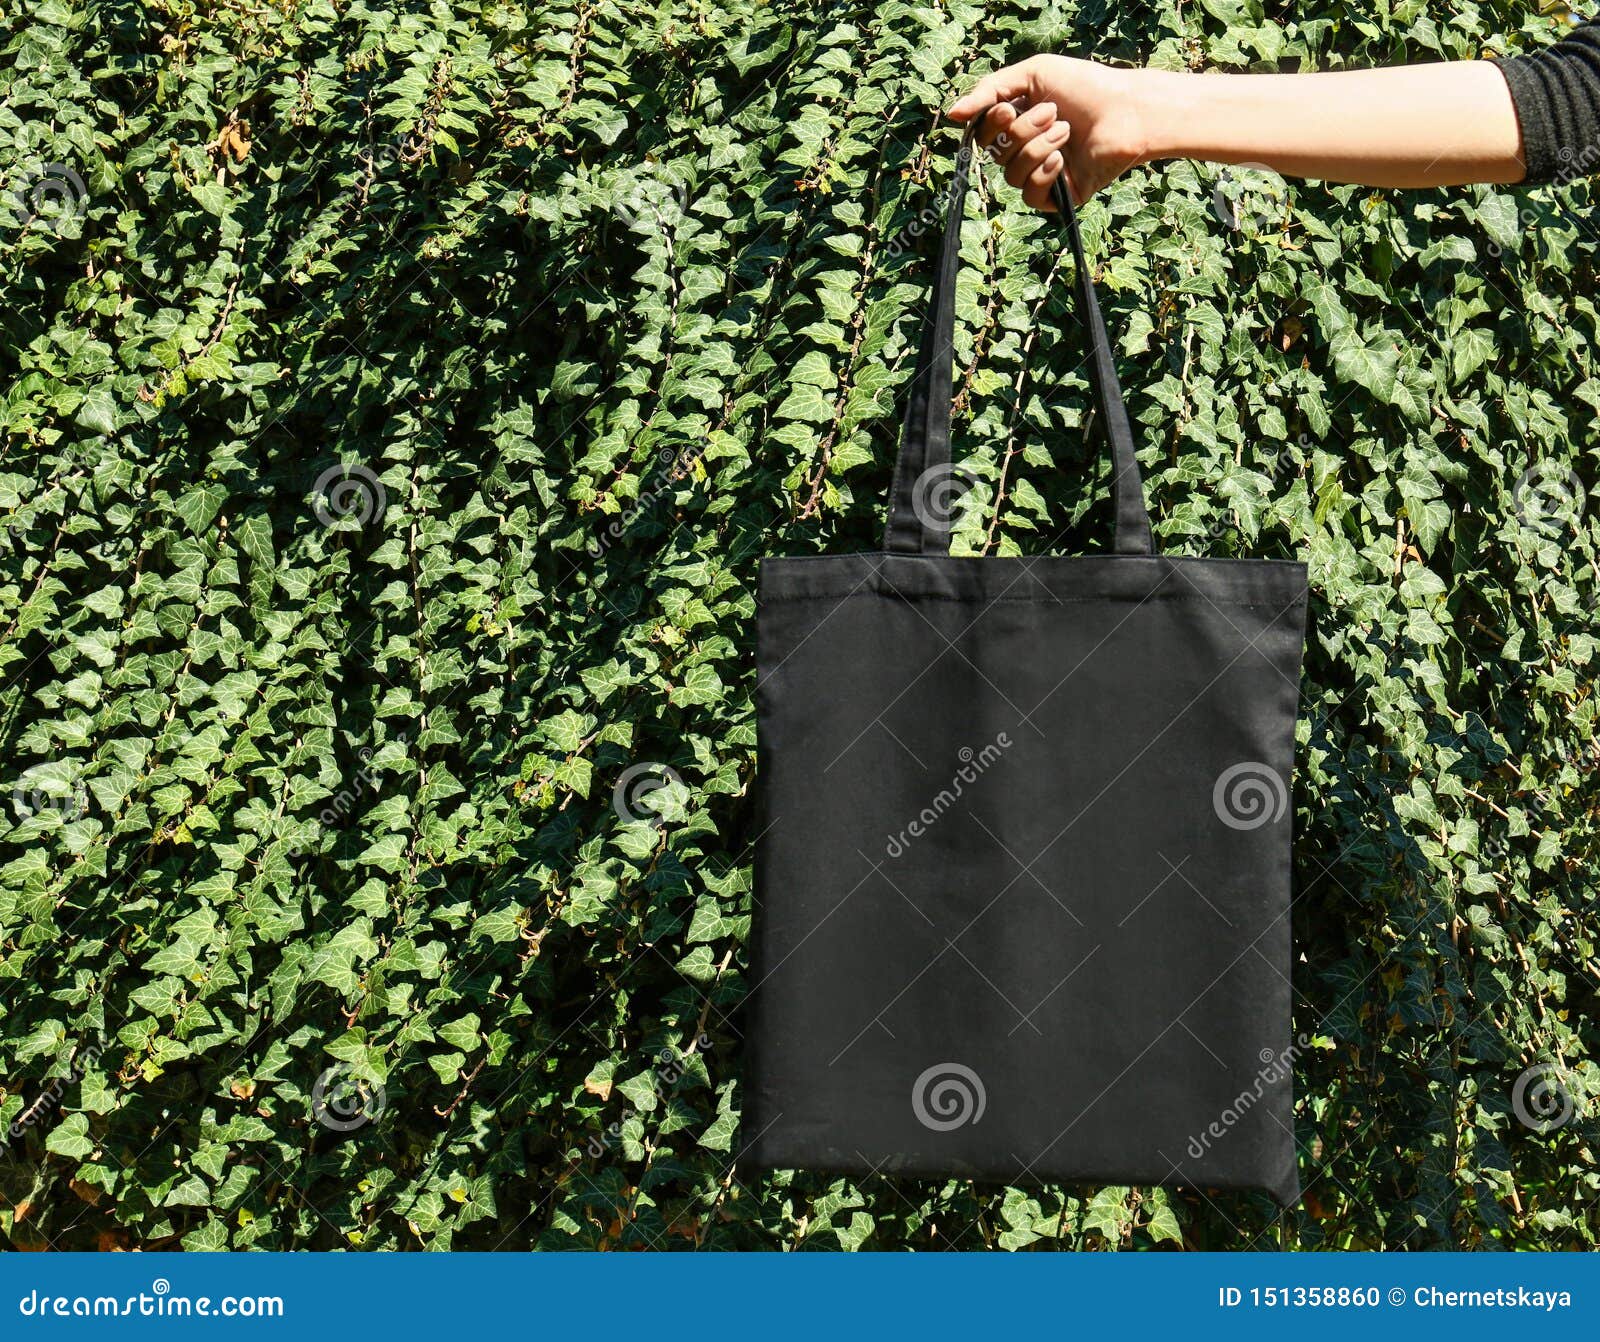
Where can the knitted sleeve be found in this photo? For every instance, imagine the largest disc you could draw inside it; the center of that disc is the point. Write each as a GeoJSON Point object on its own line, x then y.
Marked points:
{"type": "Point", "coordinates": [1557, 96]}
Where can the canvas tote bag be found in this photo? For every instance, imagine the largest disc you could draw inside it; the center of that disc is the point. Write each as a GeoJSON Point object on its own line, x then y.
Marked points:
{"type": "Point", "coordinates": [1022, 880]}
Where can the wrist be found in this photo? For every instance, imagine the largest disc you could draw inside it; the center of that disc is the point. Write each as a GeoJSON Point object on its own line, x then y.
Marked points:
{"type": "Point", "coordinates": [1168, 111]}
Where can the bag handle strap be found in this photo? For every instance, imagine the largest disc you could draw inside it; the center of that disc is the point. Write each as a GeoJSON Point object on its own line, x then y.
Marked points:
{"type": "Point", "coordinates": [919, 521]}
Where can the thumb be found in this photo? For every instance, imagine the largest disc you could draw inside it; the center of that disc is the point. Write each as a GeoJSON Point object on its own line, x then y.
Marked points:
{"type": "Point", "coordinates": [1001, 85]}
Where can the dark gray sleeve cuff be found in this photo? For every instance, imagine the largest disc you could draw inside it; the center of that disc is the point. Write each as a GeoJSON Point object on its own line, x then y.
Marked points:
{"type": "Point", "coordinates": [1557, 96]}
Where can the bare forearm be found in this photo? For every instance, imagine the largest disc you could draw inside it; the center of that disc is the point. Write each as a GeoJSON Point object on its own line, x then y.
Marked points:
{"type": "Point", "coordinates": [1411, 126]}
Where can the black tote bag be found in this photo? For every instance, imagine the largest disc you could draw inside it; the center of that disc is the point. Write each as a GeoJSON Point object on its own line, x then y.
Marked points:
{"type": "Point", "coordinates": [1022, 880]}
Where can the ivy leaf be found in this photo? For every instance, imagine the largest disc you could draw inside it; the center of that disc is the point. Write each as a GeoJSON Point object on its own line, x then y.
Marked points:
{"type": "Point", "coordinates": [70, 1138]}
{"type": "Point", "coordinates": [98, 409]}
{"type": "Point", "coordinates": [1374, 368]}
{"type": "Point", "coordinates": [199, 507]}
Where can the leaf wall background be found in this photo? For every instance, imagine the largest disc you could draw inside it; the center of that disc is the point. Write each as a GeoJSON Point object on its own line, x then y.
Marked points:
{"type": "Point", "coordinates": [397, 401]}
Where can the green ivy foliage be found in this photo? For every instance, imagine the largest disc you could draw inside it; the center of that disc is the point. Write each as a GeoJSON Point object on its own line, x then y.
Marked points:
{"type": "Point", "coordinates": [397, 401]}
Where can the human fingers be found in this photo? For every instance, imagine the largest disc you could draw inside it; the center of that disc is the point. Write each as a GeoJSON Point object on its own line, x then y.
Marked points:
{"type": "Point", "coordinates": [1024, 127]}
{"type": "Point", "coordinates": [1025, 171]}
{"type": "Point", "coordinates": [998, 86]}
{"type": "Point", "coordinates": [996, 129]}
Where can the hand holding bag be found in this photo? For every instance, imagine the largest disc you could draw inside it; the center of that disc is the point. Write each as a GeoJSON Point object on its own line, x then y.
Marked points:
{"type": "Point", "coordinates": [1023, 875]}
